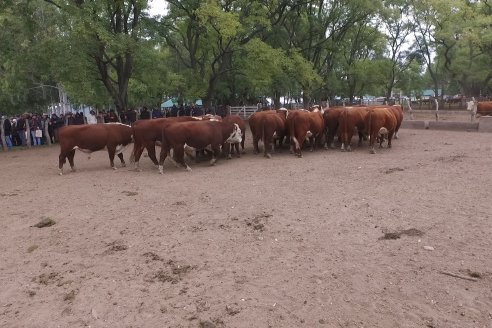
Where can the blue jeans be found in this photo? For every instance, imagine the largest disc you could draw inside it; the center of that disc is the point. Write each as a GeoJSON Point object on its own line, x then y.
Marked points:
{"type": "Point", "coordinates": [22, 136]}
{"type": "Point", "coordinates": [8, 140]}
{"type": "Point", "coordinates": [36, 141]}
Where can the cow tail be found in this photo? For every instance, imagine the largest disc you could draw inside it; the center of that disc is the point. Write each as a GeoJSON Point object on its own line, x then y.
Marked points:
{"type": "Point", "coordinates": [344, 127]}
{"type": "Point", "coordinates": [293, 135]}
{"type": "Point", "coordinates": [135, 145]}
{"type": "Point", "coordinates": [369, 127]}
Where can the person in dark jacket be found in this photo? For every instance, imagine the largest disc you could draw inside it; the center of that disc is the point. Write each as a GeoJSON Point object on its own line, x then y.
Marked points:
{"type": "Point", "coordinates": [145, 114]}
{"type": "Point", "coordinates": [112, 117]}
{"type": "Point", "coordinates": [174, 111]}
{"type": "Point", "coordinates": [21, 129]}
{"type": "Point", "coordinates": [7, 129]}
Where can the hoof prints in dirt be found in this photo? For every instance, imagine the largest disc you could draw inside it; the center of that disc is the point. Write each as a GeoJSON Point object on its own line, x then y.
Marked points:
{"type": "Point", "coordinates": [259, 221]}
{"type": "Point", "coordinates": [115, 246]}
{"type": "Point", "coordinates": [396, 235]}
{"type": "Point", "coordinates": [47, 278]}
{"type": "Point", "coordinates": [393, 169]}
{"type": "Point", "coordinates": [173, 273]}
{"type": "Point", "coordinates": [130, 193]}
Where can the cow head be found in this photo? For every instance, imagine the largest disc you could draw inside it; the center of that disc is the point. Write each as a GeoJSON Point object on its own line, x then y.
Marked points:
{"type": "Point", "coordinates": [236, 135]}
{"type": "Point", "coordinates": [382, 135]}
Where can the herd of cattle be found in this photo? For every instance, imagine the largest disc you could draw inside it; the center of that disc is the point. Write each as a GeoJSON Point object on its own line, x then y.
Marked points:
{"type": "Point", "coordinates": [213, 133]}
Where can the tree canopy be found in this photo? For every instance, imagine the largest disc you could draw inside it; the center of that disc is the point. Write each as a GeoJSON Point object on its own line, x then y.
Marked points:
{"type": "Point", "coordinates": [114, 53]}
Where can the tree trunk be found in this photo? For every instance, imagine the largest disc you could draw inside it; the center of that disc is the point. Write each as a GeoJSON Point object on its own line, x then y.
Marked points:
{"type": "Point", "coordinates": [2, 134]}
{"type": "Point", "coordinates": [46, 133]}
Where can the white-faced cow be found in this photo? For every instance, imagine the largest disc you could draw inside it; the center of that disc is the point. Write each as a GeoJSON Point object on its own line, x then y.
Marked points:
{"type": "Point", "coordinates": [147, 132]}
{"type": "Point", "coordinates": [114, 137]}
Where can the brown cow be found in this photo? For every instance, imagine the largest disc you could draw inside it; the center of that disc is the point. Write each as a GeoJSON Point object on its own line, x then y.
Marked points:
{"type": "Point", "coordinates": [147, 132]}
{"type": "Point", "coordinates": [484, 108]}
{"type": "Point", "coordinates": [397, 110]}
{"type": "Point", "coordinates": [304, 124]}
{"type": "Point", "coordinates": [380, 121]}
{"type": "Point", "coordinates": [93, 137]}
{"type": "Point", "coordinates": [331, 117]}
{"type": "Point", "coordinates": [351, 118]}
{"type": "Point", "coordinates": [229, 148]}
{"type": "Point", "coordinates": [267, 126]}
{"type": "Point", "coordinates": [198, 135]}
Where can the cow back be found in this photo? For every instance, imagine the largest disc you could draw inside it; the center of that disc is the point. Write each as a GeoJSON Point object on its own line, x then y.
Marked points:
{"type": "Point", "coordinates": [94, 137]}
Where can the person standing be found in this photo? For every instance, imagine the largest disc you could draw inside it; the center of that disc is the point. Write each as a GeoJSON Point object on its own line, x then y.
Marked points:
{"type": "Point", "coordinates": [145, 114]}
{"type": "Point", "coordinates": [36, 132]}
{"type": "Point", "coordinates": [21, 129]}
{"type": "Point", "coordinates": [7, 130]}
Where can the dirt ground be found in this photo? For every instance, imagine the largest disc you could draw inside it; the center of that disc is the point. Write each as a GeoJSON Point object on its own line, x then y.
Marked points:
{"type": "Point", "coordinates": [328, 240]}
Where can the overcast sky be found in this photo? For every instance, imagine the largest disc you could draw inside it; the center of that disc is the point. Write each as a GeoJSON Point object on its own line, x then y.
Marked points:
{"type": "Point", "coordinates": [157, 7]}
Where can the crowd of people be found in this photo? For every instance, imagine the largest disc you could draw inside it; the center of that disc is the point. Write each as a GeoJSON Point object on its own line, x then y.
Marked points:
{"type": "Point", "coordinates": [21, 128]}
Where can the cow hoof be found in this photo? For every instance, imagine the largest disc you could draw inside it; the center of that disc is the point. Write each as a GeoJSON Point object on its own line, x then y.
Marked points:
{"type": "Point", "coordinates": [229, 156]}
{"type": "Point", "coordinates": [213, 161]}
{"type": "Point", "coordinates": [60, 173]}
{"type": "Point", "coordinates": [372, 151]}
{"type": "Point", "coordinates": [188, 168]}
{"type": "Point", "coordinates": [73, 169]}
{"type": "Point", "coordinates": [123, 164]}
{"type": "Point", "coordinates": [238, 155]}
{"type": "Point", "coordinates": [268, 156]}
{"type": "Point", "coordinates": [114, 168]}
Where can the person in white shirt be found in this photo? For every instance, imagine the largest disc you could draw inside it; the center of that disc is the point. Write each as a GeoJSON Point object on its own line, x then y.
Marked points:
{"type": "Point", "coordinates": [91, 117]}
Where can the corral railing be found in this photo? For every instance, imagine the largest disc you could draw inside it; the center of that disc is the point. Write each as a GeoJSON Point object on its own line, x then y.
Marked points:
{"type": "Point", "coordinates": [244, 111]}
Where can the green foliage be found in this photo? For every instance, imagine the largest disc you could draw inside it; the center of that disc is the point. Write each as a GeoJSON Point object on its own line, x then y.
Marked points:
{"type": "Point", "coordinates": [111, 52]}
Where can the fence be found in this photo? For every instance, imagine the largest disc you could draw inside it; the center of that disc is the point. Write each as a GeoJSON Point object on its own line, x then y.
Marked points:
{"type": "Point", "coordinates": [245, 111]}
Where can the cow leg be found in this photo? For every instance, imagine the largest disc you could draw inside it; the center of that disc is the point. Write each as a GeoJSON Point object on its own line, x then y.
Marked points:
{"type": "Point", "coordinates": [255, 145]}
{"type": "Point", "coordinates": [242, 142]}
{"type": "Point", "coordinates": [215, 154]}
{"type": "Point", "coordinates": [70, 156]}
{"type": "Point", "coordinates": [151, 152]}
{"type": "Point", "coordinates": [179, 157]}
{"type": "Point", "coordinates": [372, 140]}
{"type": "Point", "coordinates": [390, 136]}
{"type": "Point", "coordinates": [111, 153]}
{"type": "Point", "coordinates": [229, 150]}
{"type": "Point", "coordinates": [120, 156]}
{"type": "Point", "coordinates": [137, 152]}
{"type": "Point", "coordinates": [61, 160]}
{"type": "Point", "coordinates": [267, 147]}
{"type": "Point", "coordinates": [361, 137]}
{"type": "Point", "coordinates": [238, 153]}
{"type": "Point", "coordinates": [162, 158]}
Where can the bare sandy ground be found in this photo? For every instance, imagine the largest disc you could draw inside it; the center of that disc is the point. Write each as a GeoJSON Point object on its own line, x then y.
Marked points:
{"type": "Point", "coordinates": [329, 240]}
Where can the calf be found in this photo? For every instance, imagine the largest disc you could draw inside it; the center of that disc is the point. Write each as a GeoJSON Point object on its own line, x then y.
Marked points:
{"type": "Point", "coordinates": [114, 137]}
{"type": "Point", "coordinates": [197, 135]}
